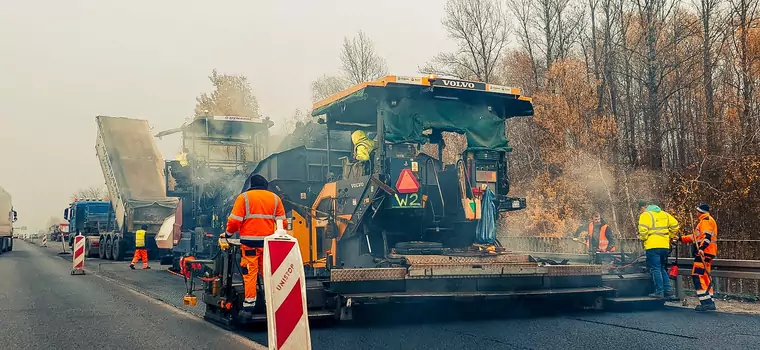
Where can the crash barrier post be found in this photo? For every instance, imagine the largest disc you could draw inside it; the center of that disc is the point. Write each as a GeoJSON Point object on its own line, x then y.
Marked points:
{"type": "Point", "coordinates": [78, 268]}
{"type": "Point", "coordinates": [285, 293]}
{"type": "Point", "coordinates": [44, 240]}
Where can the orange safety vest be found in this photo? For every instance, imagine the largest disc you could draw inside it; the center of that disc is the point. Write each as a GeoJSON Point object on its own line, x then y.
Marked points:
{"type": "Point", "coordinates": [603, 242]}
{"type": "Point", "coordinates": [254, 214]}
{"type": "Point", "coordinates": [706, 236]}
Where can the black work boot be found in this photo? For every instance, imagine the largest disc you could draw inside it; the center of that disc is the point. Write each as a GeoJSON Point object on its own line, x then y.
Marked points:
{"type": "Point", "coordinates": [706, 307]}
{"type": "Point", "coordinates": [132, 266]}
{"type": "Point", "coordinates": [657, 296]}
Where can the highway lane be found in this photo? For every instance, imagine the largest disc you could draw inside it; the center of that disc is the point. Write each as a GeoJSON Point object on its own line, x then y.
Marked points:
{"type": "Point", "coordinates": [499, 327]}
{"type": "Point", "coordinates": [42, 306]}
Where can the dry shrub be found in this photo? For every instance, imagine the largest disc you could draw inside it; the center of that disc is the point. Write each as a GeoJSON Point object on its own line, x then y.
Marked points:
{"type": "Point", "coordinates": [731, 186]}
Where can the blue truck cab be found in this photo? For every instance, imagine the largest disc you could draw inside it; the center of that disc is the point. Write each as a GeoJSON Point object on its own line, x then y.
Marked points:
{"type": "Point", "coordinates": [89, 217]}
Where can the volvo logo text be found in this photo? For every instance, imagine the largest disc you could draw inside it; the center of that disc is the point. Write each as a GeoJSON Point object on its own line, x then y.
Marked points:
{"type": "Point", "coordinates": [459, 84]}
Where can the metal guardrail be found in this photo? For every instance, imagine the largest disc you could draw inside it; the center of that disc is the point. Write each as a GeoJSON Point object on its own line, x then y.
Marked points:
{"type": "Point", "coordinates": [742, 249]}
{"type": "Point", "coordinates": [737, 276]}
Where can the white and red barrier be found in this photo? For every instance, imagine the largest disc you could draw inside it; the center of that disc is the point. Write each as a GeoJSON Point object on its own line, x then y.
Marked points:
{"type": "Point", "coordinates": [44, 240]}
{"type": "Point", "coordinates": [285, 293]}
{"type": "Point", "coordinates": [78, 268]}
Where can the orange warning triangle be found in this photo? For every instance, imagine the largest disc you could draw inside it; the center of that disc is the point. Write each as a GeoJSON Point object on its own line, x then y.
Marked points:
{"type": "Point", "coordinates": [407, 183]}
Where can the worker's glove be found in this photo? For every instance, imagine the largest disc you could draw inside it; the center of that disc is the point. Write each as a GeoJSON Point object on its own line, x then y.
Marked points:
{"type": "Point", "coordinates": [224, 244]}
{"type": "Point", "coordinates": [576, 239]}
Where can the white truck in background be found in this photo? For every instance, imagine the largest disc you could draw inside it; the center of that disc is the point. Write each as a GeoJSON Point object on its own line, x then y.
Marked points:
{"type": "Point", "coordinates": [7, 217]}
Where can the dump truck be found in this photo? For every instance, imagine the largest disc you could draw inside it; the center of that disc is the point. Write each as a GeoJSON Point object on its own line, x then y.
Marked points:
{"type": "Point", "coordinates": [222, 152]}
{"type": "Point", "coordinates": [59, 232]}
{"type": "Point", "coordinates": [89, 217]}
{"type": "Point", "coordinates": [133, 172]}
{"type": "Point", "coordinates": [7, 217]}
{"type": "Point", "coordinates": [404, 226]}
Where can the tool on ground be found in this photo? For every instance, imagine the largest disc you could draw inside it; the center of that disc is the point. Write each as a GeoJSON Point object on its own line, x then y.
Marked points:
{"type": "Point", "coordinates": [63, 247]}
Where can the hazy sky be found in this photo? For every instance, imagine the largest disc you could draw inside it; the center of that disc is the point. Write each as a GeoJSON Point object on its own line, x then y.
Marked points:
{"type": "Point", "coordinates": [64, 62]}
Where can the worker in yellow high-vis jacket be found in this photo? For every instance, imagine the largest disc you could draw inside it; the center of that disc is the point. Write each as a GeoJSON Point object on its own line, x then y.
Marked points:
{"type": "Point", "coordinates": [363, 146]}
{"type": "Point", "coordinates": [141, 253]}
{"type": "Point", "coordinates": [656, 229]}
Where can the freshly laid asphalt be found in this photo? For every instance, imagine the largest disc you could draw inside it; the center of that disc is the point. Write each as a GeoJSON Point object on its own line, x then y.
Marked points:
{"type": "Point", "coordinates": [41, 305]}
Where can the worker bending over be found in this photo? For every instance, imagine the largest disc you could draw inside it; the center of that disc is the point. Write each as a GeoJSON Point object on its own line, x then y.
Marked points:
{"type": "Point", "coordinates": [656, 229]}
{"type": "Point", "coordinates": [363, 146]}
{"type": "Point", "coordinates": [256, 213]}
{"type": "Point", "coordinates": [704, 250]}
{"type": "Point", "coordinates": [600, 237]}
{"type": "Point", "coordinates": [183, 157]}
{"type": "Point", "coordinates": [140, 252]}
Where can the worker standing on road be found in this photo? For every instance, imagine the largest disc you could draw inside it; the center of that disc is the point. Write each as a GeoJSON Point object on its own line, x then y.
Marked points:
{"type": "Point", "coordinates": [656, 229]}
{"type": "Point", "coordinates": [600, 237]}
{"type": "Point", "coordinates": [140, 252]}
{"type": "Point", "coordinates": [704, 250]}
{"type": "Point", "coordinates": [257, 212]}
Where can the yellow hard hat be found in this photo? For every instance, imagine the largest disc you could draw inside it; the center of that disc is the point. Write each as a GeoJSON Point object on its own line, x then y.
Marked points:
{"type": "Point", "coordinates": [358, 135]}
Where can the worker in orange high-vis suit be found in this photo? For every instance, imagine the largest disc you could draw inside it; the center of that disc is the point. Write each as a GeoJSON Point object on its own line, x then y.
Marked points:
{"type": "Point", "coordinates": [257, 212]}
{"type": "Point", "coordinates": [140, 252]}
{"type": "Point", "coordinates": [600, 236]}
{"type": "Point", "coordinates": [704, 249]}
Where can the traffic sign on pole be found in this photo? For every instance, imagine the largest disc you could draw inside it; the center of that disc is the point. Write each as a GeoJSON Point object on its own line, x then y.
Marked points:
{"type": "Point", "coordinates": [285, 293]}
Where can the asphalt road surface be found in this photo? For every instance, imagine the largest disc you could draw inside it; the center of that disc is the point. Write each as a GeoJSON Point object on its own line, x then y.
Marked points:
{"type": "Point", "coordinates": [110, 309]}
{"type": "Point", "coordinates": [42, 306]}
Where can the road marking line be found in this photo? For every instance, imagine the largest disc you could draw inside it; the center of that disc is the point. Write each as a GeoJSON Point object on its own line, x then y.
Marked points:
{"type": "Point", "coordinates": [632, 328]}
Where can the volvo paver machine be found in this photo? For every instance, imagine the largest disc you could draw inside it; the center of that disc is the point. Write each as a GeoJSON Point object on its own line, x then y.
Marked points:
{"type": "Point", "coordinates": [403, 226]}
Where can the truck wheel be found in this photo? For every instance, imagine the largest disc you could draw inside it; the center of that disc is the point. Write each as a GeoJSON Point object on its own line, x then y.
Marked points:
{"type": "Point", "coordinates": [109, 250]}
{"type": "Point", "coordinates": [2, 245]}
{"type": "Point", "coordinates": [89, 252]}
{"type": "Point", "coordinates": [10, 244]}
{"type": "Point", "coordinates": [102, 248]}
{"type": "Point", "coordinates": [118, 250]}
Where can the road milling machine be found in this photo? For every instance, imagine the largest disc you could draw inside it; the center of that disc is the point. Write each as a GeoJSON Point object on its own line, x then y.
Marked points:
{"type": "Point", "coordinates": [181, 202]}
{"type": "Point", "coordinates": [221, 153]}
{"type": "Point", "coordinates": [403, 226]}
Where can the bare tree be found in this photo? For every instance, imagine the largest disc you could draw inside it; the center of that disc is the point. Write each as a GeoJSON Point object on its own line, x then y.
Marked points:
{"type": "Point", "coordinates": [327, 85]}
{"type": "Point", "coordinates": [360, 61]}
{"type": "Point", "coordinates": [479, 28]}
{"type": "Point", "coordinates": [299, 116]}
{"type": "Point", "coordinates": [743, 23]}
{"type": "Point", "coordinates": [522, 12]}
{"type": "Point", "coordinates": [232, 95]}
{"type": "Point", "coordinates": [90, 192]}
